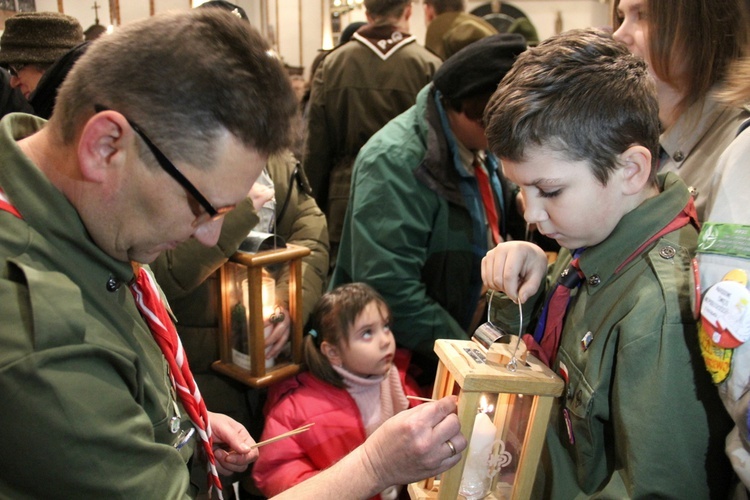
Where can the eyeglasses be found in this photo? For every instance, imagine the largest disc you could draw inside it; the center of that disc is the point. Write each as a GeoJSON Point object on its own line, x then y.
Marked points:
{"type": "Point", "coordinates": [211, 213]}
{"type": "Point", "coordinates": [15, 69]}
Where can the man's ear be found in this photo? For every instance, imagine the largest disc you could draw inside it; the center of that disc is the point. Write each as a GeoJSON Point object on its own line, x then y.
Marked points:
{"type": "Point", "coordinates": [101, 145]}
{"type": "Point", "coordinates": [429, 13]}
{"type": "Point", "coordinates": [331, 352]}
{"type": "Point", "coordinates": [635, 170]}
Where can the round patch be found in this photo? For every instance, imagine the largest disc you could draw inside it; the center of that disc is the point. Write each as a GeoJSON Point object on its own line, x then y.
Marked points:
{"type": "Point", "coordinates": [725, 315]}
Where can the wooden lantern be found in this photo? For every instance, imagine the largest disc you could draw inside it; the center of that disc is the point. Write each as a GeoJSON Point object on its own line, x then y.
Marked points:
{"type": "Point", "coordinates": [241, 324]}
{"type": "Point", "coordinates": [522, 401]}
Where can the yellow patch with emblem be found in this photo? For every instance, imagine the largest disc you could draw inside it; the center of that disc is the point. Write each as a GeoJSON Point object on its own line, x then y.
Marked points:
{"type": "Point", "coordinates": [718, 359]}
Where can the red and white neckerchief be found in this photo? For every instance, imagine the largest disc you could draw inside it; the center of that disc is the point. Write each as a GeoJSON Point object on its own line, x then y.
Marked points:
{"type": "Point", "coordinates": [154, 312]}
{"type": "Point", "coordinates": [6, 206]}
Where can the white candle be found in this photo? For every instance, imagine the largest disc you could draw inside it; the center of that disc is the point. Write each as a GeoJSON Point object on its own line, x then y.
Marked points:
{"type": "Point", "coordinates": [475, 482]}
{"type": "Point", "coordinates": [268, 292]}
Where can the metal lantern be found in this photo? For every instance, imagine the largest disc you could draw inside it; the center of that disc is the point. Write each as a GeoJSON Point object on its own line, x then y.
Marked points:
{"type": "Point", "coordinates": [246, 303]}
{"type": "Point", "coordinates": [504, 409]}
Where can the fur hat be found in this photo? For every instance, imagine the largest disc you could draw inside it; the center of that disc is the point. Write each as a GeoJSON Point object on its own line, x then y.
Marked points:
{"type": "Point", "coordinates": [38, 37]}
{"type": "Point", "coordinates": [478, 67]}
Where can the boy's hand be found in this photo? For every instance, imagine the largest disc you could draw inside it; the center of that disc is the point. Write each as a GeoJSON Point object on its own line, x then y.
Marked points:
{"type": "Point", "coordinates": [516, 268]}
{"type": "Point", "coordinates": [278, 327]}
{"type": "Point", "coordinates": [260, 194]}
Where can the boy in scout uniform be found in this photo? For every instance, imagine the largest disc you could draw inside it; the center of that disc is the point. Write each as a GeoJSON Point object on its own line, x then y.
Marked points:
{"type": "Point", "coordinates": [575, 123]}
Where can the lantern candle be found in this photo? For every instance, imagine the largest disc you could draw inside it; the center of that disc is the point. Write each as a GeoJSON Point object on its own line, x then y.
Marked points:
{"type": "Point", "coordinates": [268, 291]}
{"type": "Point", "coordinates": [268, 288]}
{"type": "Point", "coordinates": [475, 483]}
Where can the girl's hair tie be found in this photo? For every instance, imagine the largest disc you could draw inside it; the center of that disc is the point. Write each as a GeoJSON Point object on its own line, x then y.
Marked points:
{"type": "Point", "coordinates": [314, 333]}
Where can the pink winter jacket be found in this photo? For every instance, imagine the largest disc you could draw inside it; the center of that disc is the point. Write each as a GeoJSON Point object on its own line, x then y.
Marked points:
{"type": "Point", "coordinates": [337, 431]}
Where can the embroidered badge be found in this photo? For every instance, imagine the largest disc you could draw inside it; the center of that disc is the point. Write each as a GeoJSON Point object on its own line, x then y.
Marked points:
{"type": "Point", "coordinates": [724, 239]}
{"type": "Point", "coordinates": [569, 426]}
{"type": "Point", "coordinates": [586, 341]}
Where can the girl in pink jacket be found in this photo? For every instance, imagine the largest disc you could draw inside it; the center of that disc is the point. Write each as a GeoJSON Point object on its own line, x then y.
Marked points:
{"type": "Point", "coordinates": [350, 390]}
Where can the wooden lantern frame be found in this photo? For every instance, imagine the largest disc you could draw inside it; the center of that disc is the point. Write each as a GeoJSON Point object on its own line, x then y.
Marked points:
{"type": "Point", "coordinates": [464, 363]}
{"type": "Point", "coordinates": [258, 376]}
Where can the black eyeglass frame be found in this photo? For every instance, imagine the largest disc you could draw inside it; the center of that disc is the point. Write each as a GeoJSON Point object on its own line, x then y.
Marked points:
{"type": "Point", "coordinates": [14, 69]}
{"type": "Point", "coordinates": [169, 167]}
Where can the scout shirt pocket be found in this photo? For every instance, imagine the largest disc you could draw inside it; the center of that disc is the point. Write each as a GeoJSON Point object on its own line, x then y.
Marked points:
{"type": "Point", "coordinates": [55, 326]}
{"type": "Point", "coordinates": [578, 428]}
{"type": "Point", "coordinates": [52, 325]}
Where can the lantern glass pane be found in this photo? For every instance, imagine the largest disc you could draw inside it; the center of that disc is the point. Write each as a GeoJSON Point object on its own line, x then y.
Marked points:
{"type": "Point", "coordinates": [512, 417]}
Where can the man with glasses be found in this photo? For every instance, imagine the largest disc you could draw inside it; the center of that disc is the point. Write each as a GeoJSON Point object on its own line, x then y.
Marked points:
{"type": "Point", "coordinates": [11, 98]}
{"type": "Point", "coordinates": [31, 42]}
{"type": "Point", "coordinates": [144, 151]}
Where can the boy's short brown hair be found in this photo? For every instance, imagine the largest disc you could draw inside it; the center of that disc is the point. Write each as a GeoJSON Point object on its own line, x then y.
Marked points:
{"type": "Point", "coordinates": [581, 94]}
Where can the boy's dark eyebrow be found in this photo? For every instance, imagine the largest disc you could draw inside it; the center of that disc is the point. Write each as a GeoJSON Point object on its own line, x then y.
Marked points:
{"type": "Point", "coordinates": [542, 181]}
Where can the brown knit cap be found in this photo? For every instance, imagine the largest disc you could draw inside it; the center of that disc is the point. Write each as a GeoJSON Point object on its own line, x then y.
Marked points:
{"type": "Point", "coordinates": [38, 37]}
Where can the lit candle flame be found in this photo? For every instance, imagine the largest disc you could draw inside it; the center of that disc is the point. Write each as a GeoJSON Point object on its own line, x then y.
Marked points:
{"type": "Point", "coordinates": [484, 406]}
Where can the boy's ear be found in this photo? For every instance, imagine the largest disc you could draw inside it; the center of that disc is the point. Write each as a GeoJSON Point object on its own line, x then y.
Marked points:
{"type": "Point", "coordinates": [100, 148]}
{"type": "Point", "coordinates": [636, 169]}
{"type": "Point", "coordinates": [331, 352]}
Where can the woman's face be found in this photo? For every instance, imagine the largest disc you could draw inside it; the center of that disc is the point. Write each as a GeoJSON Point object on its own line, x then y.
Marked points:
{"type": "Point", "coordinates": [634, 32]}
{"type": "Point", "coordinates": [634, 29]}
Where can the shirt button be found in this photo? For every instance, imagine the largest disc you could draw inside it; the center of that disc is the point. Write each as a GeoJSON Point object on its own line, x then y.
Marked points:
{"type": "Point", "coordinates": [112, 284]}
{"type": "Point", "coordinates": [678, 156]}
{"type": "Point", "coordinates": [595, 280]}
{"type": "Point", "coordinates": [667, 252]}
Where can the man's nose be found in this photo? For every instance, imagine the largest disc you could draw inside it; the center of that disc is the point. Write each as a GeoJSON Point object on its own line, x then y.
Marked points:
{"type": "Point", "coordinates": [208, 232]}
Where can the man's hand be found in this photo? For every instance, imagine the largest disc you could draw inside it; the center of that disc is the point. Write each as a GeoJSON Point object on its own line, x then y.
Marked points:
{"type": "Point", "coordinates": [410, 446]}
{"type": "Point", "coordinates": [232, 444]}
{"type": "Point", "coordinates": [413, 445]}
{"type": "Point", "coordinates": [516, 268]}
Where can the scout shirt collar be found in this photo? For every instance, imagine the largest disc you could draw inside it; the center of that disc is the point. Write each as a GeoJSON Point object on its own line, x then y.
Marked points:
{"type": "Point", "coordinates": [599, 263]}
{"type": "Point", "coordinates": [681, 138]}
{"type": "Point", "coordinates": [45, 209]}
{"type": "Point", "coordinates": [383, 40]}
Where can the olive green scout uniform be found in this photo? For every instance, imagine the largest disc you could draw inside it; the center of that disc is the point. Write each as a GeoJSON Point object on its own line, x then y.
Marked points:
{"type": "Point", "coordinates": [87, 408]}
{"type": "Point", "coordinates": [645, 421]}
